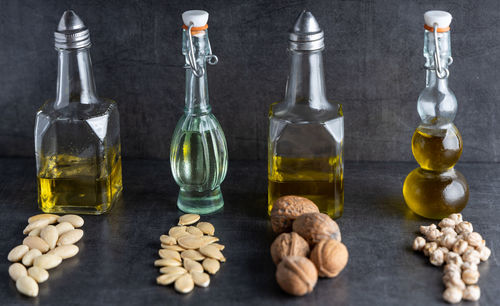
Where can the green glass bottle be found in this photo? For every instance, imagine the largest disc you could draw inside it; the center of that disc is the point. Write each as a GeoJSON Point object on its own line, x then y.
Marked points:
{"type": "Point", "coordinates": [198, 152]}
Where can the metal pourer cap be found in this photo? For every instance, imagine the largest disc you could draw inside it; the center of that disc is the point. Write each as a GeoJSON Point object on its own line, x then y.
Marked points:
{"type": "Point", "coordinates": [306, 35]}
{"type": "Point", "coordinates": [71, 32]}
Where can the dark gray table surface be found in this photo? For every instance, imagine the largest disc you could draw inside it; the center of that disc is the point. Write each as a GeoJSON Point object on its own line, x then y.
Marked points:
{"type": "Point", "coordinates": [115, 264]}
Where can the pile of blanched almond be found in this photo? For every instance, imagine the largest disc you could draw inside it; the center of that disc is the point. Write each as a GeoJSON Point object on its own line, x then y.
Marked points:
{"type": "Point", "coordinates": [44, 248]}
{"type": "Point", "coordinates": [460, 249]}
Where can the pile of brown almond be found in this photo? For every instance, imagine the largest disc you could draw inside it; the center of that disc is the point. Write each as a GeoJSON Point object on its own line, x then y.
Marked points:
{"type": "Point", "coordinates": [308, 245]}
{"type": "Point", "coordinates": [182, 250]}
{"type": "Point", "coordinates": [460, 249]}
{"type": "Point", "coordinates": [44, 248]}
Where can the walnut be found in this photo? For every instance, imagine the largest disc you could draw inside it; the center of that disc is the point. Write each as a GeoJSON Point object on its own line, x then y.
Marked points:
{"type": "Point", "coordinates": [286, 209]}
{"type": "Point", "coordinates": [296, 275]}
{"type": "Point", "coordinates": [288, 244]}
{"type": "Point", "coordinates": [314, 227]}
{"type": "Point", "coordinates": [330, 257]}
{"type": "Point", "coordinates": [472, 293]}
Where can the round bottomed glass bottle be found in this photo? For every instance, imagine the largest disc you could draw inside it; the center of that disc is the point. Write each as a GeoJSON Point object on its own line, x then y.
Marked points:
{"type": "Point", "coordinates": [436, 189]}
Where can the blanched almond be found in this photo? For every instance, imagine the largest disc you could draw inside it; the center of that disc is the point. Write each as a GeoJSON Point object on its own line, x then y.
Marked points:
{"type": "Point", "coordinates": [38, 274]}
{"type": "Point", "coordinates": [36, 231]}
{"type": "Point", "coordinates": [52, 218]}
{"type": "Point", "coordinates": [35, 224]}
{"type": "Point", "coordinates": [184, 284]}
{"type": "Point", "coordinates": [16, 271]}
{"type": "Point", "coordinates": [30, 256]}
{"type": "Point", "coordinates": [206, 228]}
{"type": "Point", "coordinates": [47, 261]}
{"type": "Point", "coordinates": [17, 253]}
{"type": "Point", "coordinates": [188, 219]}
{"type": "Point", "coordinates": [27, 286]}
{"type": "Point", "coordinates": [75, 220]}
{"type": "Point", "coordinates": [70, 237]}
{"type": "Point", "coordinates": [200, 279]}
{"type": "Point", "coordinates": [64, 227]}
{"type": "Point", "coordinates": [35, 242]}
{"type": "Point", "coordinates": [50, 235]}
{"type": "Point", "coordinates": [65, 251]}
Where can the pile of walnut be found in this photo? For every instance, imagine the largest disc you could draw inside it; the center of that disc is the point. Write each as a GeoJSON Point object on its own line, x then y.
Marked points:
{"type": "Point", "coordinates": [46, 245]}
{"type": "Point", "coordinates": [296, 273]}
{"type": "Point", "coordinates": [183, 249]}
{"type": "Point", "coordinates": [461, 249]}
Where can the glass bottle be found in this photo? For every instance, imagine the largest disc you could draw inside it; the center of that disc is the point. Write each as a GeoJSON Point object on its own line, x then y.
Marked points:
{"type": "Point", "coordinates": [436, 189]}
{"type": "Point", "coordinates": [306, 131]}
{"type": "Point", "coordinates": [77, 135]}
{"type": "Point", "coordinates": [198, 152]}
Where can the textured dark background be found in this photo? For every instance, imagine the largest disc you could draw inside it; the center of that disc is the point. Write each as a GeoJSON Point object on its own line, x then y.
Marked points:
{"type": "Point", "coordinates": [373, 62]}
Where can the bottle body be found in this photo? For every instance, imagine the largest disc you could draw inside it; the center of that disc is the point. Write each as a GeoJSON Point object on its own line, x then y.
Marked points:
{"type": "Point", "coordinates": [306, 159]}
{"type": "Point", "coordinates": [77, 143]}
{"type": "Point", "coordinates": [198, 161]}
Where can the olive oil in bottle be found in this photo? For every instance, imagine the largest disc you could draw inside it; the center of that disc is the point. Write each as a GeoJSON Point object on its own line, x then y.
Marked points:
{"type": "Point", "coordinates": [77, 135]}
{"type": "Point", "coordinates": [306, 131]}
{"type": "Point", "coordinates": [319, 179]}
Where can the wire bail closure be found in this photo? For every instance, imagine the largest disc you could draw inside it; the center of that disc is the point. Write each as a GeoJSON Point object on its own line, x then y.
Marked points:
{"type": "Point", "coordinates": [441, 72]}
{"type": "Point", "coordinates": [211, 59]}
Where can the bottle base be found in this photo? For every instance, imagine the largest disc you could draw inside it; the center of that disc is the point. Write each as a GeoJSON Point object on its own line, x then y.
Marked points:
{"type": "Point", "coordinates": [434, 194]}
{"type": "Point", "coordinates": [200, 202]}
{"type": "Point", "coordinates": [79, 209]}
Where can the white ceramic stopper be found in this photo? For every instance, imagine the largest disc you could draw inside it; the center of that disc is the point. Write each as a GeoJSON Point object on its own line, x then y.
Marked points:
{"type": "Point", "coordinates": [198, 17]}
{"type": "Point", "coordinates": [442, 18]}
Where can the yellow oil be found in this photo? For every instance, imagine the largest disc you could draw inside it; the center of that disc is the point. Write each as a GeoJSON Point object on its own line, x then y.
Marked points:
{"type": "Point", "coordinates": [320, 179]}
{"type": "Point", "coordinates": [437, 149]}
{"type": "Point", "coordinates": [434, 194]}
{"type": "Point", "coordinates": [72, 184]}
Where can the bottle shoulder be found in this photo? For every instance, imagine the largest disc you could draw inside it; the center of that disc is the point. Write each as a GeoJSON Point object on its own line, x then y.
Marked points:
{"type": "Point", "coordinates": [304, 114]}
{"type": "Point", "coordinates": [78, 111]}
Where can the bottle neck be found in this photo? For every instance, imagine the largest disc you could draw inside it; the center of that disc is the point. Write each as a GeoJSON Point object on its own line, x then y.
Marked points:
{"type": "Point", "coordinates": [306, 83]}
{"type": "Point", "coordinates": [431, 79]}
{"type": "Point", "coordinates": [75, 79]}
{"type": "Point", "coordinates": [196, 86]}
{"type": "Point", "coordinates": [444, 46]}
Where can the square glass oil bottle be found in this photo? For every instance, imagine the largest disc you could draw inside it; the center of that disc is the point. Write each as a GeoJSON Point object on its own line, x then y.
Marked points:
{"type": "Point", "coordinates": [306, 131]}
{"type": "Point", "coordinates": [77, 136]}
